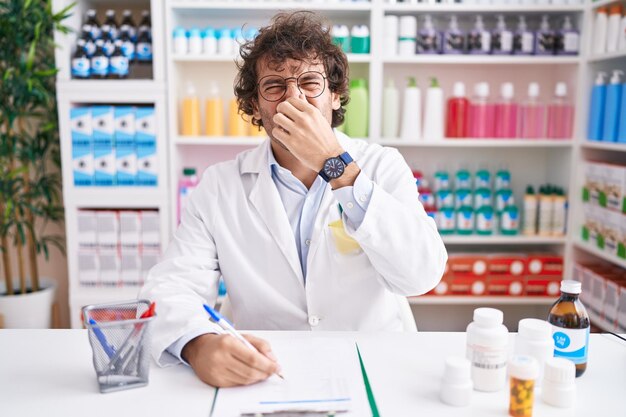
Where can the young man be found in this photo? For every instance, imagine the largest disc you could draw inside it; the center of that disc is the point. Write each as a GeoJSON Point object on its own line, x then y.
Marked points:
{"type": "Point", "coordinates": [310, 230]}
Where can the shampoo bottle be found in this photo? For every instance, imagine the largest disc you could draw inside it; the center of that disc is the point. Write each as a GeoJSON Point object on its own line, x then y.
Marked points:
{"type": "Point", "coordinates": [506, 113]}
{"type": "Point", "coordinates": [600, 27]}
{"type": "Point", "coordinates": [560, 114]}
{"type": "Point", "coordinates": [190, 117]}
{"type": "Point", "coordinates": [567, 39]}
{"type": "Point", "coordinates": [612, 107]}
{"type": "Point", "coordinates": [357, 109]}
{"type": "Point", "coordinates": [391, 110]}
{"type": "Point", "coordinates": [214, 112]}
{"type": "Point", "coordinates": [479, 39]}
{"type": "Point", "coordinates": [433, 112]}
{"type": "Point", "coordinates": [596, 108]}
{"type": "Point", "coordinates": [612, 31]}
{"type": "Point", "coordinates": [428, 38]}
{"type": "Point", "coordinates": [502, 38]}
{"type": "Point", "coordinates": [411, 112]}
{"type": "Point", "coordinates": [524, 39]}
{"type": "Point", "coordinates": [454, 38]}
{"type": "Point", "coordinates": [457, 113]}
{"type": "Point", "coordinates": [482, 113]}
{"type": "Point", "coordinates": [544, 40]}
{"type": "Point", "coordinates": [532, 115]}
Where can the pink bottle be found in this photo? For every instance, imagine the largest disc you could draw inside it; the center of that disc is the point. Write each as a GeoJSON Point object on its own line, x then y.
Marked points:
{"type": "Point", "coordinates": [560, 114]}
{"type": "Point", "coordinates": [532, 115]}
{"type": "Point", "coordinates": [482, 113]}
{"type": "Point", "coordinates": [186, 185]}
{"type": "Point", "coordinates": [506, 113]}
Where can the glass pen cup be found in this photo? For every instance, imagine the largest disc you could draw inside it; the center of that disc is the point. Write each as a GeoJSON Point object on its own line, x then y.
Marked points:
{"type": "Point", "coordinates": [120, 343]}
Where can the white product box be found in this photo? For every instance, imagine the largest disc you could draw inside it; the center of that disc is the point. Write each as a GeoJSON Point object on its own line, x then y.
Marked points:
{"type": "Point", "coordinates": [108, 229]}
{"type": "Point", "coordinates": [583, 274]}
{"type": "Point", "coordinates": [592, 224]}
{"type": "Point", "coordinates": [87, 228]}
{"type": "Point", "coordinates": [621, 312]}
{"type": "Point", "coordinates": [130, 272]}
{"type": "Point", "coordinates": [88, 267]}
{"type": "Point", "coordinates": [598, 287]}
{"type": "Point", "coordinates": [150, 230]}
{"type": "Point", "coordinates": [130, 229]}
{"type": "Point", "coordinates": [82, 146]}
{"type": "Point", "coordinates": [149, 258]}
{"type": "Point", "coordinates": [145, 137]}
{"type": "Point", "coordinates": [614, 290]}
{"type": "Point", "coordinates": [593, 182]}
{"type": "Point", "coordinates": [125, 149]}
{"type": "Point", "coordinates": [611, 231]}
{"type": "Point", "coordinates": [103, 136]}
{"type": "Point", "coordinates": [614, 188]}
{"type": "Point", "coordinates": [109, 262]}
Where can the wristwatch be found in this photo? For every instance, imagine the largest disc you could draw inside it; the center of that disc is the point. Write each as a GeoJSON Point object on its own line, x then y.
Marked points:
{"type": "Point", "coordinates": [334, 167]}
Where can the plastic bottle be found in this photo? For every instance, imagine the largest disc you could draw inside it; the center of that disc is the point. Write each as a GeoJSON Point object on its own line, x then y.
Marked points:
{"type": "Point", "coordinates": [209, 42]}
{"type": "Point", "coordinates": [463, 179]}
{"type": "Point", "coordinates": [485, 221]}
{"type": "Point", "coordinates": [195, 42]}
{"type": "Point", "coordinates": [225, 42]}
{"type": "Point", "coordinates": [407, 36]}
{"type": "Point", "coordinates": [482, 179]}
{"type": "Point", "coordinates": [523, 39]}
{"type": "Point", "coordinates": [442, 180]}
{"type": "Point", "coordinates": [546, 211]}
{"type": "Point", "coordinates": [465, 220]}
{"type": "Point", "coordinates": [99, 62]}
{"type": "Point", "coordinates": [143, 49]}
{"type": "Point", "coordinates": [559, 215]}
{"type": "Point", "coordinates": [85, 36]}
{"type": "Point", "coordinates": [482, 113]}
{"type": "Point", "coordinates": [391, 110]}
{"type": "Point", "coordinates": [190, 117]}
{"type": "Point", "coordinates": [186, 185]}
{"type": "Point", "coordinates": [600, 28]}
{"type": "Point", "coordinates": [502, 38]}
{"type": "Point", "coordinates": [145, 24]}
{"type": "Point", "coordinates": [621, 42]}
{"type": "Point", "coordinates": [534, 338]}
{"type": "Point", "coordinates": [214, 112]}
{"type": "Point", "coordinates": [80, 62]}
{"type": "Point", "coordinates": [390, 40]}
{"type": "Point", "coordinates": [109, 43]}
{"type": "Point", "coordinates": [570, 326]}
{"type": "Point", "coordinates": [426, 196]}
{"type": "Point", "coordinates": [128, 46]}
{"type": "Point", "coordinates": [118, 63]}
{"type": "Point", "coordinates": [523, 372]}
{"type": "Point", "coordinates": [360, 39]}
{"type": "Point", "coordinates": [530, 212]}
{"type": "Point", "coordinates": [560, 114]}
{"type": "Point", "coordinates": [463, 197]}
{"type": "Point", "coordinates": [621, 132]}
{"type": "Point", "coordinates": [482, 197]}
{"type": "Point", "coordinates": [544, 39]}
{"type": "Point", "coordinates": [509, 220]}
{"type": "Point", "coordinates": [532, 115]}
{"type": "Point", "coordinates": [445, 198]}
{"type": "Point", "coordinates": [341, 37]}
{"type": "Point", "coordinates": [456, 386]}
{"type": "Point", "coordinates": [237, 125]}
{"type": "Point", "coordinates": [479, 39]}
{"type": "Point", "coordinates": [504, 198]}
{"type": "Point", "coordinates": [613, 24]}
{"type": "Point", "coordinates": [127, 25]}
{"type": "Point", "coordinates": [567, 39]}
{"type": "Point", "coordinates": [428, 38]}
{"type": "Point", "coordinates": [94, 25]}
{"type": "Point", "coordinates": [457, 113]}
{"type": "Point", "coordinates": [445, 219]}
{"type": "Point", "coordinates": [411, 112]}
{"type": "Point", "coordinates": [110, 25]}
{"type": "Point", "coordinates": [487, 342]}
{"type": "Point", "coordinates": [506, 113]}
{"type": "Point", "coordinates": [453, 38]}
{"type": "Point", "coordinates": [503, 179]}
{"type": "Point", "coordinates": [596, 108]}
{"type": "Point", "coordinates": [433, 111]}
{"type": "Point", "coordinates": [559, 387]}
{"type": "Point", "coordinates": [181, 41]}
{"type": "Point", "coordinates": [612, 107]}
{"type": "Point", "coordinates": [357, 119]}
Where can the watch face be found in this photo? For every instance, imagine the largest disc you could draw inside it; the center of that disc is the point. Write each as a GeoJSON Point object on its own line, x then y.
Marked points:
{"type": "Point", "coordinates": [334, 167]}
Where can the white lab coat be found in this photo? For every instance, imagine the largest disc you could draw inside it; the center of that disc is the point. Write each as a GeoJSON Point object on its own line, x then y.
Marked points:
{"type": "Point", "coordinates": [236, 226]}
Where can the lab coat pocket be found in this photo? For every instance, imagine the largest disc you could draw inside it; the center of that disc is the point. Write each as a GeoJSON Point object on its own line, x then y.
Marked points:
{"type": "Point", "coordinates": [344, 244]}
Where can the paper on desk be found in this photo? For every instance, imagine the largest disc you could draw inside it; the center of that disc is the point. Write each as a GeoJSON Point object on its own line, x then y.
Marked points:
{"type": "Point", "coordinates": [320, 374]}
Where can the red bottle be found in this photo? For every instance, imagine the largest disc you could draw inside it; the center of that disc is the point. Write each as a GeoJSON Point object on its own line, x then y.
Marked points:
{"type": "Point", "coordinates": [458, 113]}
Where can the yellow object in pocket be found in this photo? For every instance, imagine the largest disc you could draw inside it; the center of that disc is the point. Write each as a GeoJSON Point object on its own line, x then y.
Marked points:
{"type": "Point", "coordinates": [345, 244]}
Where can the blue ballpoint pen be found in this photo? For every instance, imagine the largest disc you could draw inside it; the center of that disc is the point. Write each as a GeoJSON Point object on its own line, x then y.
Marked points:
{"type": "Point", "coordinates": [224, 324]}
{"type": "Point", "coordinates": [108, 349]}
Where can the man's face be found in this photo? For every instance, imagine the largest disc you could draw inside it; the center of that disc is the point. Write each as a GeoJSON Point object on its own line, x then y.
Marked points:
{"type": "Point", "coordinates": [265, 110]}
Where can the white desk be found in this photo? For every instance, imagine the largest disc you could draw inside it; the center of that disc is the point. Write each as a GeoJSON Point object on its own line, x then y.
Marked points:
{"type": "Point", "coordinates": [50, 372]}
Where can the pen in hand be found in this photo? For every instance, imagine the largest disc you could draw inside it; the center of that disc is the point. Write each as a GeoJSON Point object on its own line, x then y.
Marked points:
{"type": "Point", "coordinates": [224, 324]}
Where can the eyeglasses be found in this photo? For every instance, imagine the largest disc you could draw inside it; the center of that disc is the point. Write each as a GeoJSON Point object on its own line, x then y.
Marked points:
{"type": "Point", "coordinates": [274, 87]}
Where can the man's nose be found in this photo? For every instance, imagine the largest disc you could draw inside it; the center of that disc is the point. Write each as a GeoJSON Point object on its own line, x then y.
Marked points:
{"type": "Point", "coordinates": [292, 89]}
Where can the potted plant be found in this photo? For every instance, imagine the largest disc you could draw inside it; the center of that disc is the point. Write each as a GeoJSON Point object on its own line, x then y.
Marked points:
{"type": "Point", "coordinates": [30, 181]}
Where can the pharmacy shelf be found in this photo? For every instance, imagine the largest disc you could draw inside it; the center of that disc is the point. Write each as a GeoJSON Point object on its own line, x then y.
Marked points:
{"type": "Point", "coordinates": [479, 143]}
{"type": "Point", "coordinates": [602, 3]}
{"type": "Point", "coordinates": [115, 197]}
{"type": "Point", "coordinates": [139, 88]}
{"type": "Point", "coordinates": [502, 240]}
{"type": "Point", "coordinates": [180, 58]}
{"type": "Point", "coordinates": [480, 300]}
{"type": "Point", "coordinates": [483, 60]}
{"type": "Point", "coordinates": [482, 8]}
{"type": "Point", "coordinates": [613, 147]}
{"type": "Point", "coordinates": [600, 322]}
{"type": "Point", "coordinates": [219, 140]}
{"type": "Point", "coordinates": [587, 247]}
{"type": "Point", "coordinates": [279, 5]}
{"type": "Point", "coordinates": [609, 56]}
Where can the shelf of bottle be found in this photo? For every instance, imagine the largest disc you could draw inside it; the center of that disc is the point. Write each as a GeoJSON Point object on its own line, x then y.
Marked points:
{"type": "Point", "coordinates": [608, 56]}
{"type": "Point", "coordinates": [180, 58]}
{"type": "Point", "coordinates": [483, 59]}
{"type": "Point", "coordinates": [502, 240]}
{"type": "Point", "coordinates": [604, 146]}
{"type": "Point", "coordinates": [116, 197]}
{"type": "Point", "coordinates": [483, 8]}
{"type": "Point", "coordinates": [478, 143]}
{"type": "Point", "coordinates": [219, 140]}
{"type": "Point", "coordinates": [480, 300]}
{"type": "Point", "coordinates": [602, 3]}
{"type": "Point", "coordinates": [277, 5]}
{"type": "Point", "coordinates": [131, 87]}
{"type": "Point", "coordinates": [589, 248]}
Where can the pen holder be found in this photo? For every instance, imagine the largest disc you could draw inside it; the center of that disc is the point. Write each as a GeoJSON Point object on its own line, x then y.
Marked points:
{"type": "Point", "coordinates": [120, 342]}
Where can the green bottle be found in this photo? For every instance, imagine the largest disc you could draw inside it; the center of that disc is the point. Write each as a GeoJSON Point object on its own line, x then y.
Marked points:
{"type": "Point", "coordinates": [357, 109]}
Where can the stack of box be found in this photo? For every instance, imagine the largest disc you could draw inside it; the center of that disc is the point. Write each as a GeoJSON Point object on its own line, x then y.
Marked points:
{"type": "Point", "coordinates": [604, 293]}
{"type": "Point", "coordinates": [506, 274]}
{"type": "Point", "coordinates": [117, 248]}
{"type": "Point", "coordinates": [604, 197]}
{"type": "Point", "coordinates": [114, 146]}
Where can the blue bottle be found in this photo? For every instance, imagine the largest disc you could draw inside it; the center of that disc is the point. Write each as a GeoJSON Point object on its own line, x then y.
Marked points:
{"type": "Point", "coordinates": [621, 132]}
{"type": "Point", "coordinates": [612, 107]}
{"type": "Point", "coordinates": [596, 109]}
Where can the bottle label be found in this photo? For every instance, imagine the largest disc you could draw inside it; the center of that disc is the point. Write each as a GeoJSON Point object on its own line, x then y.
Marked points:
{"type": "Point", "coordinates": [570, 42]}
{"type": "Point", "coordinates": [128, 49]}
{"type": "Point", "coordinates": [108, 48]}
{"type": "Point", "coordinates": [144, 51]}
{"type": "Point", "coordinates": [80, 67]}
{"type": "Point", "coordinates": [503, 41]}
{"type": "Point", "coordinates": [99, 65]}
{"type": "Point", "coordinates": [90, 48]}
{"type": "Point", "coordinates": [485, 357]}
{"type": "Point", "coordinates": [484, 222]}
{"type": "Point", "coordinates": [572, 344]}
{"type": "Point", "coordinates": [119, 66]}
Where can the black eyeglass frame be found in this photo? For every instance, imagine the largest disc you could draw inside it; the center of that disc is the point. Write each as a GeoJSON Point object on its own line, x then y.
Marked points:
{"type": "Point", "coordinates": [258, 84]}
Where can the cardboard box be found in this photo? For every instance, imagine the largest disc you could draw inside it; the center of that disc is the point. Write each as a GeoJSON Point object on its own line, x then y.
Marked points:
{"type": "Point", "coordinates": [145, 137]}
{"type": "Point", "coordinates": [103, 135]}
{"type": "Point", "coordinates": [507, 264]}
{"type": "Point", "coordinates": [109, 263]}
{"type": "Point", "coordinates": [545, 264]}
{"type": "Point", "coordinates": [612, 294]}
{"type": "Point", "coordinates": [130, 229]}
{"type": "Point", "coordinates": [613, 192]}
{"type": "Point", "coordinates": [593, 182]}
{"type": "Point", "coordinates": [125, 147]}
{"type": "Point", "coordinates": [149, 258]}
{"type": "Point", "coordinates": [88, 267]}
{"type": "Point", "coordinates": [87, 229]}
{"type": "Point", "coordinates": [466, 285]}
{"type": "Point", "coordinates": [505, 284]}
{"type": "Point", "coordinates": [130, 267]}
{"type": "Point", "coordinates": [82, 146]}
{"type": "Point", "coordinates": [543, 285]}
{"type": "Point", "coordinates": [611, 232]}
{"type": "Point", "coordinates": [468, 265]}
{"type": "Point", "coordinates": [621, 311]}
{"type": "Point", "coordinates": [108, 229]}
{"type": "Point", "coordinates": [150, 230]}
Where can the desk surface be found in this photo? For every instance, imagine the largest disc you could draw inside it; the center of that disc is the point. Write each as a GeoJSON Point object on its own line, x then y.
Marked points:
{"type": "Point", "coordinates": [51, 371]}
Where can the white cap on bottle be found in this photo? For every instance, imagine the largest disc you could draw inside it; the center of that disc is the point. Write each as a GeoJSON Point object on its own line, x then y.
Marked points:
{"type": "Point", "coordinates": [533, 90]}
{"type": "Point", "coordinates": [482, 89]}
{"type": "Point", "coordinates": [535, 329]}
{"type": "Point", "coordinates": [560, 90]}
{"type": "Point", "coordinates": [488, 317]}
{"type": "Point", "coordinates": [570, 286]}
{"type": "Point", "coordinates": [523, 367]}
{"type": "Point", "coordinates": [408, 26]}
{"type": "Point", "coordinates": [559, 388]}
{"type": "Point", "coordinates": [456, 387]}
{"type": "Point", "coordinates": [459, 89]}
{"type": "Point", "coordinates": [507, 91]}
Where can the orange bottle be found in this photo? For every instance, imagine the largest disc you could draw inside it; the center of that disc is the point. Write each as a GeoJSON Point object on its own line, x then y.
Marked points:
{"type": "Point", "coordinates": [237, 126]}
{"type": "Point", "coordinates": [190, 113]}
{"type": "Point", "coordinates": [214, 112]}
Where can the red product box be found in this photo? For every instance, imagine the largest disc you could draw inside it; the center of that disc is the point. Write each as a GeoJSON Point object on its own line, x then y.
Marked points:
{"type": "Point", "coordinates": [465, 285]}
{"type": "Point", "coordinates": [614, 291]}
{"type": "Point", "coordinates": [545, 264]}
{"type": "Point", "coordinates": [507, 264]}
{"type": "Point", "coordinates": [509, 285]}
{"type": "Point", "coordinates": [468, 265]}
{"type": "Point", "coordinates": [543, 285]}
{"type": "Point", "coordinates": [598, 278]}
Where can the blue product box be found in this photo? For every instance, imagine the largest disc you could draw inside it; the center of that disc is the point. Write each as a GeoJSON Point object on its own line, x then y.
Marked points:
{"type": "Point", "coordinates": [82, 146]}
{"type": "Point", "coordinates": [145, 137]}
{"type": "Point", "coordinates": [125, 149]}
{"type": "Point", "coordinates": [102, 118]}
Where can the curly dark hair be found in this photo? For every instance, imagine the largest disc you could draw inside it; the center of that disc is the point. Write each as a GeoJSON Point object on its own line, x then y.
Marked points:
{"type": "Point", "coordinates": [299, 35]}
